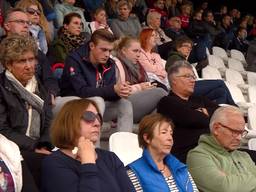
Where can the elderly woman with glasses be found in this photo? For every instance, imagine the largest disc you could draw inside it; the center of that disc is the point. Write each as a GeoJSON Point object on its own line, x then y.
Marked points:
{"type": "Point", "coordinates": [25, 110]}
{"type": "Point", "coordinates": [77, 165]}
{"type": "Point", "coordinates": [39, 26]}
{"type": "Point", "coordinates": [157, 169]}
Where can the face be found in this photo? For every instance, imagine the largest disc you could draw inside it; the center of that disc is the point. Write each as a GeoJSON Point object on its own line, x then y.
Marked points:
{"type": "Point", "coordinates": [229, 133]}
{"type": "Point", "coordinates": [132, 53]}
{"type": "Point", "coordinates": [227, 20]}
{"type": "Point", "coordinates": [155, 21]}
{"type": "Point", "coordinates": [17, 24]}
{"type": "Point", "coordinates": [185, 49]}
{"type": "Point", "coordinates": [198, 16]}
{"type": "Point", "coordinates": [162, 140]}
{"type": "Point", "coordinates": [33, 14]}
{"type": "Point", "coordinates": [75, 26]}
{"type": "Point", "coordinates": [175, 23]}
{"type": "Point", "coordinates": [210, 17]}
{"type": "Point", "coordinates": [71, 2]}
{"type": "Point", "coordinates": [100, 51]}
{"type": "Point", "coordinates": [152, 39]}
{"type": "Point", "coordinates": [91, 130]}
{"type": "Point", "coordinates": [101, 17]}
{"type": "Point", "coordinates": [159, 4]}
{"type": "Point", "coordinates": [242, 34]}
{"type": "Point", "coordinates": [183, 82]}
{"type": "Point", "coordinates": [23, 68]}
{"type": "Point", "coordinates": [124, 12]}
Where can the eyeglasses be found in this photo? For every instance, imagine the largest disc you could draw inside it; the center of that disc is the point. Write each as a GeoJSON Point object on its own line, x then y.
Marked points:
{"type": "Point", "coordinates": [90, 117]}
{"type": "Point", "coordinates": [32, 11]}
{"type": "Point", "coordinates": [188, 76]}
{"type": "Point", "coordinates": [234, 132]}
{"type": "Point", "coordinates": [21, 22]}
{"type": "Point", "coordinates": [27, 61]}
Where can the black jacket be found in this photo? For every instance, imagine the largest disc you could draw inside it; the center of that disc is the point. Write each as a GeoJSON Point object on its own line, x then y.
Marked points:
{"type": "Point", "coordinates": [14, 116]}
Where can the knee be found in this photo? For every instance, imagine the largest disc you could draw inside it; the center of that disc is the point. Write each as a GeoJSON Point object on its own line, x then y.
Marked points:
{"type": "Point", "coordinates": [100, 103]}
{"type": "Point", "coordinates": [125, 107]}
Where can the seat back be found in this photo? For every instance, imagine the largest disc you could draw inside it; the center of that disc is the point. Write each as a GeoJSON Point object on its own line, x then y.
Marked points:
{"type": "Point", "coordinates": [251, 118]}
{"type": "Point", "coordinates": [236, 93]}
{"type": "Point", "coordinates": [218, 51]}
{"type": "Point", "coordinates": [234, 77]}
{"type": "Point", "coordinates": [216, 61]}
{"type": "Point", "coordinates": [252, 94]}
{"type": "Point", "coordinates": [211, 73]}
{"type": "Point", "coordinates": [238, 55]}
{"type": "Point", "coordinates": [235, 65]}
{"type": "Point", "coordinates": [126, 146]}
{"type": "Point", "coordinates": [251, 78]}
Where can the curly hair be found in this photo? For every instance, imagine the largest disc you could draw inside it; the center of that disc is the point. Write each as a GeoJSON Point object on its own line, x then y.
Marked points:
{"type": "Point", "coordinates": [14, 46]}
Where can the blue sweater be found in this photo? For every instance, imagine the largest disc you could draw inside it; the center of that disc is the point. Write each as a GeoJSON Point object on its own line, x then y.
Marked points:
{"type": "Point", "coordinates": [65, 174]}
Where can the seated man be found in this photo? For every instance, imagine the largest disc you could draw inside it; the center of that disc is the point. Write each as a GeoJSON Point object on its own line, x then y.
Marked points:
{"type": "Point", "coordinates": [190, 114]}
{"type": "Point", "coordinates": [216, 164]}
{"type": "Point", "coordinates": [89, 72]}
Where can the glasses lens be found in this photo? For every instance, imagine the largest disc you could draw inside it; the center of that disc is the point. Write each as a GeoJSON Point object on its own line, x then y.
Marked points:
{"type": "Point", "coordinates": [33, 11]}
{"type": "Point", "coordinates": [90, 117]}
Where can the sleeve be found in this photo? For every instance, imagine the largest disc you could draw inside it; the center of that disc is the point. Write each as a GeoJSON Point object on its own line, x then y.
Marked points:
{"type": "Point", "coordinates": [179, 111]}
{"type": "Point", "coordinates": [116, 29]}
{"type": "Point", "coordinates": [81, 87]}
{"type": "Point", "coordinates": [57, 176]}
{"type": "Point", "coordinates": [59, 15]}
{"type": "Point", "coordinates": [23, 141]}
{"type": "Point", "coordinates": [209, 177]}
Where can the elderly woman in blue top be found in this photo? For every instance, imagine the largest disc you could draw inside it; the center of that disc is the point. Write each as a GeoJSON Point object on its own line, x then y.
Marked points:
{"type": "Point", "coordinates": [157, 169]}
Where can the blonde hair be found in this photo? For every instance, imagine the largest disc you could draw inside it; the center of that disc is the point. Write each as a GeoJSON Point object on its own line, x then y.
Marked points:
{"type": "Point", "coordinates": [24, 4]}
{"type": "Point", "coordinates": [14, 46]}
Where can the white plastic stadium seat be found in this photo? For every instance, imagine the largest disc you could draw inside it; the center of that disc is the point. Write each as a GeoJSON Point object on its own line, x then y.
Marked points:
{"type": "Point", "coordinates": [217, 62]}
{"type": "Point", "coordinates": [251, 118]}
{"type": "Point", "coordinates": [251, 78]}
{"type": "Point", "coordinates": [211, 73]}
{"type": "Point", "coordinates": [236, 54]}
{"type": "Point", "coordinates": [234, 77]}
{"type": "Point", "coordinates": [220, 52]}
{"type": "Point", "coordinates": [235, 65]}
{"type": "Point", "coordinates": [126, 146]}
{"type": "Point", "coordinates": [252, 94]}
{"type": "Point", "coordinates": [252, 144]}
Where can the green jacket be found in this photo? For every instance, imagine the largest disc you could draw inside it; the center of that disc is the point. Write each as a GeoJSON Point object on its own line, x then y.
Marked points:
{"type": "Point", "coordinates": [174, 56]}
{"type": "Point", "coordinates": [214, 169]}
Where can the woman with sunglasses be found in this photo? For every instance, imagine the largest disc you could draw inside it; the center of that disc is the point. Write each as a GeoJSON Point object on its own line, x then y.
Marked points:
{"type": "Point", "coordinates": [39, 27]}
{"type": "Point", "coordinates": [77, 165]}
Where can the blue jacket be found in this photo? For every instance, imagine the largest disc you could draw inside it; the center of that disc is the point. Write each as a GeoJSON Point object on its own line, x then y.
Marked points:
{"type": "Point", "coordinates": [83, 79]}
{"type": "Point", "coordinates": [152, 180]}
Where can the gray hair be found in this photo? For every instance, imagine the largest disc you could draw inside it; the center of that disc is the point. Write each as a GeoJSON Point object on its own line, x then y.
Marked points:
{"type": "Point", "coordinates": [151, 15]}
{"type": "Point", "coordinates": [221, 114]}
{"type": "Point", "coordinates": [175, 67]}
{"type": "Point", "coordinates": [9, 13]}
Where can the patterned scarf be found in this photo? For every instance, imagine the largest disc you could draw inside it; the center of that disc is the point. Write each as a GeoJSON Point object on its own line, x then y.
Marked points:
{"type": "Point", "coordinates": [71, 41]}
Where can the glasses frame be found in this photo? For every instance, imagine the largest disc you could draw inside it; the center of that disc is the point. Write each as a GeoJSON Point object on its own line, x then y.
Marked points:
{"type": "Point", "coordinates": [20, 21]}
{"type": "Point", "coordinates": [187, 76]}
{"type": "Point", "coordinates": [33, 11]}
{"type": "Point", "coordinates": [234, 132]}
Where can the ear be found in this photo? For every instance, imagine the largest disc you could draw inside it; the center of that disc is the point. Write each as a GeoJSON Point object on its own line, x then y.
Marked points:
{"type": "Point", "coordinates": [65, 26]}
{"type": "Point", "coordinates": [91, 45]}
{"type": "Point", "coordinates": [145, 137]}
{"type": "Point", "coordinates": [123, 51]}
{"type": "Point", "coordinates": [215, 129]}
{"type": "Point", "coordinates": [6, 27]}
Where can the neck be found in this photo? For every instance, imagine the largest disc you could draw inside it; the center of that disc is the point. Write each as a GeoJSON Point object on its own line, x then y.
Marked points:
{"type": "Point", "coordinates": [157, 158]}
{"type": "Point", "coordinates": [92, 59]}
{"type": "Point", "coordinates": [148, 49]}
{"type": "Point", "coordinates": [68, 152]}
{"type": "Point", "coordinates": [185, 97]}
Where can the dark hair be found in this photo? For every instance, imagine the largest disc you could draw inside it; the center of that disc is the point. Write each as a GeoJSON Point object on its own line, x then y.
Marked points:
{"type": "Point", "coordinates": [181, 40]}
{"type": "Point", "coordinates": [67, 19]}
{"type": "Point", "coordinates": [148, 124]}
{"type": "Point", "coordinates": [11, 11]}
{"type": "Point", "coordinates": [65, 129]}
{"type": "Point", "coordinates": [102, 34]}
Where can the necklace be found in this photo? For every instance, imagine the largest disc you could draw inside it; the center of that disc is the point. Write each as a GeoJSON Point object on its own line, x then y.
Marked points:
{"type": "Point", "coordinates": [162, 170]}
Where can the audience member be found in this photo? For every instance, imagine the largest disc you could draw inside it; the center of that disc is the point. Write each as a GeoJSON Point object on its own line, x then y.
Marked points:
{"type": "Point", "coordinates": [125, 24]}
{"type": "Point", "coordinates": [151, 61]}
{"type": "Point", "coordinates": [89, 72]}
{"type": "Point", "coordinates": [189, 113]}
{"type": "Point", "coordinates": [216, 164]}
{"type": "Point", "coordinates": [130, 69]}
{"type": "Point", "coordinates": [25, 108]}
{"type": "Point", "coordinates": [173, 29]}
{"type": "Point", "coordinates": [157, 169]}
{"type": "Point", "coordinates": [99, 20]}
{"type": "Point", "coordinates": [66, 7]}
{"type": "Point", "coordinates": [239, 41]}
{"type": "Point", "coordinates": [77, 165]}
{"type": "Point", "coordinates": [172, 9]}
{"type": "Point", "coordinates": [251, 55]}
{"type": "Point", "coordinates": [186, 10]}
{"type": "Point", "coordinates": [69, 38]}
{"type": "Point", "coordinates": [215, 90]}
{"type": "Point", "coordinates": [39, 27]}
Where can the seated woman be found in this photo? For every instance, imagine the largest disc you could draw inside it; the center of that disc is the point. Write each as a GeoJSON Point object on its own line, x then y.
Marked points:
{"type": "Point", "coordinates": [69, 37]}
{"type": "Point", "coordinates": [99, 20]}
{"type": "Point", "coordinates": [151, 61]}
{"type": "Point", "coordinates": [25, 106]}
{"type": "Point", "coordinates": [125, 25]}
{"type": "Point", "coordinates": [39, 27]}
{"type": "Point", "coordinates": [129, 69]}
{"type": "Point", "coordinates": [157, 169]}
{"type": "Point", "coordinates": [77, 165]}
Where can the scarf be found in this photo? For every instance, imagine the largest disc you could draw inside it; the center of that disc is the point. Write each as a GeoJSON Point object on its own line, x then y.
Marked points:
{"type": "Point", "coordinates": [35, 103]}
{"type": "Point", "coordinates": [71, 41]}
{"type": "Point", "coordinates": [134, 72]}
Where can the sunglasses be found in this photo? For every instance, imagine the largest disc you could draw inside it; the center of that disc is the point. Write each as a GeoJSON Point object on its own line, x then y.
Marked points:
{"type": "Point", "coordinates": [90, 117]}
{"type": "Point", "coordinates": [33, 11]}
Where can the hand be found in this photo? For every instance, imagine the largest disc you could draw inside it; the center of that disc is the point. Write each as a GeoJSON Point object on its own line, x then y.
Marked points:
{"type": "Point", "coordinates": [53, 100]}
{"type": "Point", "coordinates": [203, 110]}
{"type": "Point", "coordinates": [123, 89]}
{"type": "Point", "coordinates": [43, 151]}
{"type": "Point", "coordinates": [147, 85]}
{"type": "Point", "coordinates": [86, 151]}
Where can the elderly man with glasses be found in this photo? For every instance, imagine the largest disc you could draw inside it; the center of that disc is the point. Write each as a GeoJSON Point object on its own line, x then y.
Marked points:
{"type": "Point", "coordinates": [216, 164]}
{"type": "Point", "coordinates": [189, 113]}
